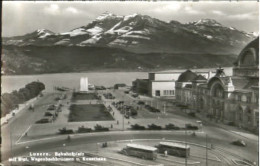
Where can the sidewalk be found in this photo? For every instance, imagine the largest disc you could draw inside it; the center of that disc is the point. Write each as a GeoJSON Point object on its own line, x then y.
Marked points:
{"type": "Point", "coordinates": [233, 129]}
{"type": "Point", "coordinates": [21, 107]}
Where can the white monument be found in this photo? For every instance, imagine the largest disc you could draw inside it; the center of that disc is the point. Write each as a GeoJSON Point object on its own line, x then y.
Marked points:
{"type": "Point", "coordinates": [83, 84]}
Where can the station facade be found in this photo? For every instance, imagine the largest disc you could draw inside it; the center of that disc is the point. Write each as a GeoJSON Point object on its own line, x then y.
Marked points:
{"type": "Point", "coordinates": [232, 99]}
{"type": "Point", "coordinates": [159, 84]}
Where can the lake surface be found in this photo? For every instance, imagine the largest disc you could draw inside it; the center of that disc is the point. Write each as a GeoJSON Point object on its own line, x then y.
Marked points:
{"type": "Point", "coordinates": [72, 80]}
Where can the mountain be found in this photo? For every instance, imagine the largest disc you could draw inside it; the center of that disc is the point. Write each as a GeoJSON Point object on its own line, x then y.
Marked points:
{"type": "Point", "coordinates": [133, 42]}
{"type": "Point", "coordinates": [143, 34]}
{"type": "Point", "coordinates": [59, 59]}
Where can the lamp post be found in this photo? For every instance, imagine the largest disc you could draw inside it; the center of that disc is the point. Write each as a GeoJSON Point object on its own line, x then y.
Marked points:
{"type": "Point", "coordinates": [206, 150]}
{"type": "Point", "coordinates": [186, 162]}
{"type": "Point", "coordinates": [123, 123]}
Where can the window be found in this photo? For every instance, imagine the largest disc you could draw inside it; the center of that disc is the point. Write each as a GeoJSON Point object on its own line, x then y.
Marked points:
{"type": "Point", "coordinates": [168, 92]}
{"type": "Point", "coordinates": [238, 97]}
{"type": "Point", "coordinates": [244, 98]}
{"type": "Point", "coordinates": [157, 93]}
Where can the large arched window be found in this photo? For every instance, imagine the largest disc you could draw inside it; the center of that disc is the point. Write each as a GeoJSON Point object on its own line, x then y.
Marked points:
{"type": "Point", "coordinates": [218, 91]}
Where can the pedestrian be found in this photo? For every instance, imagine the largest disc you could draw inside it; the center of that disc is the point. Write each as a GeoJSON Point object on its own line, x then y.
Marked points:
{"type": "Point", "coordinates": [111, 126]}
{"type": "Point", "coordinates": [165, 153]}
{"type": "Point", "coordinates": [117, 122]}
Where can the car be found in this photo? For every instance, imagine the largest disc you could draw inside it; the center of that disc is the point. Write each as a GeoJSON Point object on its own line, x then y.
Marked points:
{"type": "Point", "coordinates": [5, 122]}
{"type": "Point", "coordinates": [45, 120]}
{"type": "Point", "coordinates": [191, 127]}
{"type": "Point", "coordinates": [141, 103]}
{"type": "Point", "coordinates": [239, 142]}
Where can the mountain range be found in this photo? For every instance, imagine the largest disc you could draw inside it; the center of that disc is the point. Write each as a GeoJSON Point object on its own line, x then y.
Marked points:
{"type": "Point", "coordinates": [134, 36]}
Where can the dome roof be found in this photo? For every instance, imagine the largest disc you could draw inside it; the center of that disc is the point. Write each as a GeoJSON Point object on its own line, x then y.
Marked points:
{"type": "Point", "coordinates": [249, 55]}
{"type": "Point", "coordinates": [187, 76]}
{"type": "Point", "coordinates": [199, 77]}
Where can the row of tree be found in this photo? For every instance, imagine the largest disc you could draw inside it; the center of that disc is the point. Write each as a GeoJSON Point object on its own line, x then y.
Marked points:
{"type": "Point", "coordinates": [10, 101]}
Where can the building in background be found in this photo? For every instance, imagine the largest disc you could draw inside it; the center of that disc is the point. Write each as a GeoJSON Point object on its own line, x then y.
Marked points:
{"type": "Point", "coordinates": [229, 99]}
{"type": "Point", "coordinates": [83, 84]}
{"type": "Point", "coordinates": [159, 84]}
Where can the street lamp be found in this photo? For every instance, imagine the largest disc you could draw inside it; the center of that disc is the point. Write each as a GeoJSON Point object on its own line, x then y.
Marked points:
{"type": "Point", "coordinates": [186, 162]}
{"type": "Point", "coordinates": [206, 150]}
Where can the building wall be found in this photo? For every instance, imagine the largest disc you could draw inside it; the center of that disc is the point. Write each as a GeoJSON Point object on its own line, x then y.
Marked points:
{"type": "Point", "coordinates": [166, 88]}
{"type": "Point", "coordinates": [166, 77]}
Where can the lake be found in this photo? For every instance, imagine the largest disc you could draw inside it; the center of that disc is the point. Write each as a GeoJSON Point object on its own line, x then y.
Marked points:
{"type": "Point", "coordinates": [72, 80]}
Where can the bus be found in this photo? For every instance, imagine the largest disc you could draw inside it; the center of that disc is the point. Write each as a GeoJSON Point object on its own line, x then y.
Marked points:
{"type": "Point", "coordinates": [175, 149]}
{"type": "Point", "coordinates": [142, 151]}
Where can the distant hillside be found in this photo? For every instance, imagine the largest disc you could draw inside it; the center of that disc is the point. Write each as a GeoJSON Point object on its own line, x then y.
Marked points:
{"type": "Point", "coordinates": [60, 59]}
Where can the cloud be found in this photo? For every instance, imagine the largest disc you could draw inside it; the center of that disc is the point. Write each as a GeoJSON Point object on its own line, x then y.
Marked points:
{"type": "Point", "coordinates": [219, 13]}
{"type": "Point", "coordinates": [243, 16]}
{"type": "Point", "coordinates": [173, 7]}
{"type": "Point", "coordinates": [52, 9]}
{"type": "Point", "coordinates": [72, 10]}
{"type": "Point", "coordinates": [55, 9]}
{"type": "Point", "coordinates": [190, 10]}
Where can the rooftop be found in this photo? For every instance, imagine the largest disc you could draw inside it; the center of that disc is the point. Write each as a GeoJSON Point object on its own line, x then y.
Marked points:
{"type": "Point", "coordinates": [187, 76]}
{"type": "Point", "coordinates": [173, 144]}
{"type": "Point", "coordinates": [150, 148]}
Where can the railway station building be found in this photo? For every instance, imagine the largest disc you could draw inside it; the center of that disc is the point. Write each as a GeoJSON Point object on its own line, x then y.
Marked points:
{"type": "Point", "coordinates": [232, 100]}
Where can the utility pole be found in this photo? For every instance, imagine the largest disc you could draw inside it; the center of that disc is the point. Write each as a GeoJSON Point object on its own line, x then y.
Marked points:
{"type": "Point", "coordinates": [123, 123]}
{"type": "Point", "coordinates": [206, 150]}
{"type": "Point", "coordinates": [164, 110]}
{"type": "Point", "coordinates": [186, 163]}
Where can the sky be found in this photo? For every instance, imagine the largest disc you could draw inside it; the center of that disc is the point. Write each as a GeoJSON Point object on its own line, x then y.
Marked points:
{"type": "Point", "coordinates": [19, 18]}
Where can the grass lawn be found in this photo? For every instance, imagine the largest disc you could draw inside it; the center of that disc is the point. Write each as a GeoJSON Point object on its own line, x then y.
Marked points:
{"type": "Point", "coordinates": [84, 96]}
{"type": "Point", "coordinates": [89, 112]}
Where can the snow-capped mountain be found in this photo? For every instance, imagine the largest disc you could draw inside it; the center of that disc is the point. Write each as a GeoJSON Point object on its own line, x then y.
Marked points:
{"type": "Point", "coordinates": [141, 33]}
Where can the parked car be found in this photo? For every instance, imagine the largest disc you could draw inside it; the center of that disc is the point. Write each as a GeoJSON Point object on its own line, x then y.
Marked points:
{"type": "Point", "coordinates": [191, 127]}
{"type": "Point", "coordinates": [44, 120]}
{"type": "Point", "coordinates": [135, 95]}
{"type": "Point", "coordinates": [140, 102]}
{"type": "Point", "coordinates": [239, 142]}
{"type": "Point", "coordinates": [48, 114]}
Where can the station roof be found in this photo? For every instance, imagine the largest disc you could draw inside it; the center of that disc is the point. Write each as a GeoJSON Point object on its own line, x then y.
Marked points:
{"type": "Point", "coordinates": [187, 76]}
{"type": "Point", "coordinates": [137, 146]}
{"type": "Point", "coordinates": [174, 144]}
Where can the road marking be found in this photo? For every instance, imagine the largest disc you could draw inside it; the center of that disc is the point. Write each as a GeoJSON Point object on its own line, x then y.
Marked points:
{"type": "Point", "coordinates": [43, 139]}
{"type": "Point", "coordinates": [23, 134]}
{"type": "Point", "coordinates": [93, 134]}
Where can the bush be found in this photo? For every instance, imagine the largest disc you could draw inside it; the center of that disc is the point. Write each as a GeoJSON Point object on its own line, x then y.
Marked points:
{"type": "Point", "coordinates": [100, 128]}
{"type": "Point", "coordinates": [171, 126]}
{"type": "Point", "coordinates": [65, 131]}
{"type": "Point", "coordinates": [191, 127]}
{"type": "Point", "coordinates": [82, 129]}
{"type": "Point", "coordinates": [137, 127]}
{"type": "Point", "coordinates": [154, 127]}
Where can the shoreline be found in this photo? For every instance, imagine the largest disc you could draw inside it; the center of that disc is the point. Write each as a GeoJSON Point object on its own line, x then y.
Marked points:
{"type": "Point", "coordinates": [116, 71]}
